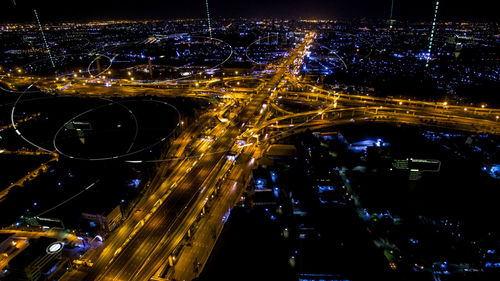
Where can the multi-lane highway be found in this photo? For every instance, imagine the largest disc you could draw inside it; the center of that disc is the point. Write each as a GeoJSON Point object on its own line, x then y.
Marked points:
{"type": "Point", "coordinates": [137, 250]}
{"type": "Point", "coordinates": [176, 197]}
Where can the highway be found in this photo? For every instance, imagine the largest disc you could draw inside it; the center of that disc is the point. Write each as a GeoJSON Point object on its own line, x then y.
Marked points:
{"type": "Point", "coordinates": [192, 258]}
{"type": "Point", "coordinates": [177, 195]}
{"type": "Point", "coordinates": [137, 251]}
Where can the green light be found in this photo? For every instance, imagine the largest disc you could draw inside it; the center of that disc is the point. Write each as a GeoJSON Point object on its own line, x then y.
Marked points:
{"type": "Point", "coordinates": [431, 40]}
{"type": "Point", "coordinates": [392, 9]}
{"type": "Point", "coordinates": [208, 17]}
{"type": "Point", "coordinates": [44, 39]}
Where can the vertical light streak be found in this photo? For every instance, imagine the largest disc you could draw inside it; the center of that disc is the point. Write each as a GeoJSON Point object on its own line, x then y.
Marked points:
{"type": "Point", "coordinates": [14, 2]}
{"type": "Point", "coordinates": [391, 21]}
{"type": "Point", "coordinates": [392, 9]}
{"type": "Point", "coordinates": [208, 17]}
{"type": "Point", "coordinates": [431, 40]}
{"type": "Point", "coordinates": [44, 39]}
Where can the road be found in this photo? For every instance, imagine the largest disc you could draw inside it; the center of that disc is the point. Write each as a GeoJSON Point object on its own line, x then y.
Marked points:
{"type": "Point", "coordinates": [190, 261]}
{"type": "Point", "coordinates": [175, 197]}
{"type": "Point", "coordinates": [137, 251]}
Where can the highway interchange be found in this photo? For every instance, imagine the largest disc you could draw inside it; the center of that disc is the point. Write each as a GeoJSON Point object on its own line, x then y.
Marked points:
{"type": "Point", "coordinates": [144, 243]}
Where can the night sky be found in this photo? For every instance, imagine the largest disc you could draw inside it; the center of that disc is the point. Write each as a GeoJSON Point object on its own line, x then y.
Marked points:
{"type": "Point", "coordinates": [57, 10]}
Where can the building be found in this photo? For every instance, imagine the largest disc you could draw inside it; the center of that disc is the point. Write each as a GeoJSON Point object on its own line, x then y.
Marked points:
{"type": "Point", "coordinates": [37, 262]}
{"type": "Point", "coordinates": [106, 222]}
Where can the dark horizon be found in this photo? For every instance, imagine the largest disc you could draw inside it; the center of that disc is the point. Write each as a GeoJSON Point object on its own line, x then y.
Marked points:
{"type": "Point", "coordinates": [59, 11]}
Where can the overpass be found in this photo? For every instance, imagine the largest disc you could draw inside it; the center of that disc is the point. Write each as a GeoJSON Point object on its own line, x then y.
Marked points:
{"type": "Point", "coordinates": [174, 199]}
{"type": "Point", "coordinates": [136, 252]}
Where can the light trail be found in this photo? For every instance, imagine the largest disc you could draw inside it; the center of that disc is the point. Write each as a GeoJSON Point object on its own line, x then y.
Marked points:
{"type": "Point", "coordinates": [336, 54]}
{"type": "Point", "coordinates": [14, 123]}
{"type": "Point", "coordinates": [431, 40]}
{"type": "Point", "coordinates": [392, 9]}
{"type": "Point", "coordinates": [67, 200]}
{"type": "Point", "coordinates": [248, 48]}
{"type": "Point", "coordinates": [391, 21]}
{"type": "Point", "coordinates": [111, 102]}
{"type": "Point", "coordinates": [208, 17]}
{"type": "Point", "coordinates": [98, 56]}
{"type": "Point", "coordinates": [128, 153]}
{"type": "Point", "coordinates": [44, 39]}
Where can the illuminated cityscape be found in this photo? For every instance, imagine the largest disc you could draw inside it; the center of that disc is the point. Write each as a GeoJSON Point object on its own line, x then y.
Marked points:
{"type": "Point", "coordinates": [288, 140]}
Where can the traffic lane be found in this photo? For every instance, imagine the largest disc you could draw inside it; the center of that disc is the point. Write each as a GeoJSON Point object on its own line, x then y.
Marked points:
{"type": "Point", "coordinates": [197, 177]}
{"type": "Point", "coordinates": [146, 238]}
{"type": "Point", "coordinates": [227, 138]}
{"type": "Point", "coordinates": [116, 241]}
{"type": "Point", "coordinates": [128, 274]}
{"type": "Point", "coordinates": [250, 110]}
{"type": "Point", "coordinates": [172, 241]}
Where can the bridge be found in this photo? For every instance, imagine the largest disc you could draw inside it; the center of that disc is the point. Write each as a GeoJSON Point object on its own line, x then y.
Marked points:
{"type": "Point", "coordinates": [147, 243]}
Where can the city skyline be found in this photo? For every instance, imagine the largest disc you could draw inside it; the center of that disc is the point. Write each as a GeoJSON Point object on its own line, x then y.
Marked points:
{"type": "Point", "coordinates": [249, 140]}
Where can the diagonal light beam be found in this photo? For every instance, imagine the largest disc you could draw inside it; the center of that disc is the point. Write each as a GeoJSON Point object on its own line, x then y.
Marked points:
{"type": "Point", "coordinates": [44, 39]}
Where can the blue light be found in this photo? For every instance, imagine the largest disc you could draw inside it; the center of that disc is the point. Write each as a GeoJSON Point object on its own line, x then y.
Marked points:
{"type": "Point", "coordinates": [322, 188]}
{"type": "Point", "coordinates": [495, 171]}
{"type": "Point", "coordinates": [413, 241]}
{"type": "Point", "coordinates": [134, 183]}
{"type": "Point", "coordinates": [52, 270]}
{"type": "Point", "coordinates": [274, 177]}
